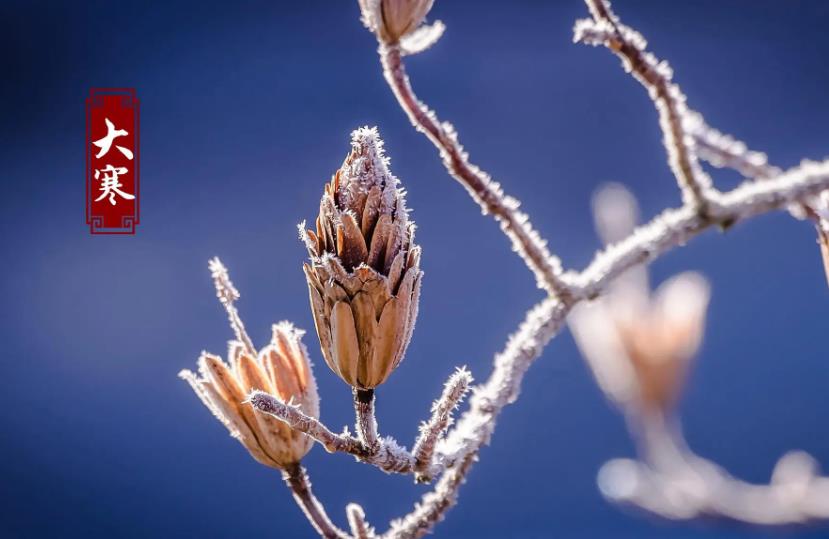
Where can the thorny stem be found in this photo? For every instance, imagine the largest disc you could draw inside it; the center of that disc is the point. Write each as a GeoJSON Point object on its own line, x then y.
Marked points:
{"type": "Point", "coordinates": [366, 422]}
{"type": "Point", "coordinates": [297, 480]}
{"type": "Point", "coordinates": [487, 193]}
{"type": "Point", "coordinates": [670, 102]}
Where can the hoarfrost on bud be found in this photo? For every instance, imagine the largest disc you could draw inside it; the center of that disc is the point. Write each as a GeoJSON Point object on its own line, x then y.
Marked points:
{"type": "Point", "coordinates": [364, 270]}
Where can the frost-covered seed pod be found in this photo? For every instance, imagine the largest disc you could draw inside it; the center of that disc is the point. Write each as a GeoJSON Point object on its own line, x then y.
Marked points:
{"type": "Point", "coordinates": [393, 19]}
{"type": "Point", "coordinates": [364, 271]}
{"type": "Point", "coordinates": [282, 368]}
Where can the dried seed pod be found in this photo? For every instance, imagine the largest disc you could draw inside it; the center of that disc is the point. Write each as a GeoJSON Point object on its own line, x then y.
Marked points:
{"type": "Point", "coordinates": [364, 270]}
{"type": "Point", "coordinates": [282, 368]}
{"type": "Point", "coordinates": [393, 19]}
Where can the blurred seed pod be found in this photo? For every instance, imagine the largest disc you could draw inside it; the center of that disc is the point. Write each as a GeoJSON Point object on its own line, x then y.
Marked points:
{"type": "Point", "coordinates": [639, 345]}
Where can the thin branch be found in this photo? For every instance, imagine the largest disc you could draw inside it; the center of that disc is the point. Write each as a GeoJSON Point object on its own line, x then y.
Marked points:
{"type": "Point", "coordinates": [486, 192]}
{"type": "Point", "coordinates": [297, 480]}
{"type": "Point", "coordinates": [656, 76]}
{"type": "Point", "coordinates": [674, 483]}
{"type": "Point", "coordinates": [719, 149]}
{"type": "Point", "coordinates": [366, 423]}
{"type": "Point", "coordinates": [674, 227]}
{"type": "Point", "coordinates": [389, 456]}
{"type": "Point", "coordinates": [706, 490]}
{"type": "Point", "coordinates": [724, 151]}
{"type": "Point", "coordinates": [433, 505]}
{"type": "Point", "coordinates": [297, 420]}
{"type": "Point", "coordinates": [384, 453]}
{"type": "Point", "coordinates": [357, 521]}
{"type": "Point", "coordinates": [424, 448]}
{"type": "Point", "coordinates": [228, 295]}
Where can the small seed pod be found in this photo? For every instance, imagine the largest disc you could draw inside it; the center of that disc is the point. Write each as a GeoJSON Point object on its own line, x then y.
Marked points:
{"type": "Point", "coordinates": [282, 368]}
{"type": "Point", "coordinates": [364, 271]}
{"type": "Point", "coordinates": [391, 20]}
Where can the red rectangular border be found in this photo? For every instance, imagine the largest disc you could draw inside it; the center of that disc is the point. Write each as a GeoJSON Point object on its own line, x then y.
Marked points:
{"type": "Point", "coordinates": [123, 105]}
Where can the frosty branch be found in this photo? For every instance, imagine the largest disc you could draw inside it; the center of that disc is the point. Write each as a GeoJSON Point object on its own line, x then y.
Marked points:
{"type": "Point", "coordinates": [364, 281]}
{"type": "Point", "coordinates": [486, 192]}
{"type": "Point", "coordinates": [656, 76]}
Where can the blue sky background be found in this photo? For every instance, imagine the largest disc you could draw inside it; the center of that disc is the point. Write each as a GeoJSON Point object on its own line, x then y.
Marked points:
{"type": "Point", "coordinates": [246, 111]}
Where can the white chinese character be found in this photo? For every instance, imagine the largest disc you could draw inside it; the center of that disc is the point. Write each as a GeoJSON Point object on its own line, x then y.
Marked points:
{"type": "Point", "coordinates": [110, 184]}
{"type": "Point", "coordinates": [106, 143]}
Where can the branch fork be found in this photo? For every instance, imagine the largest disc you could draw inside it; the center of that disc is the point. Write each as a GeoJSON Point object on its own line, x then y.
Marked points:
{"type": "Point", "coordinates": [367, 446]}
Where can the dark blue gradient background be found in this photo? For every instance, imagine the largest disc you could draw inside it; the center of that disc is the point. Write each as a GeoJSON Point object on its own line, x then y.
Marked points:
{"type": "Point", "coordinates": [246, 111]}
